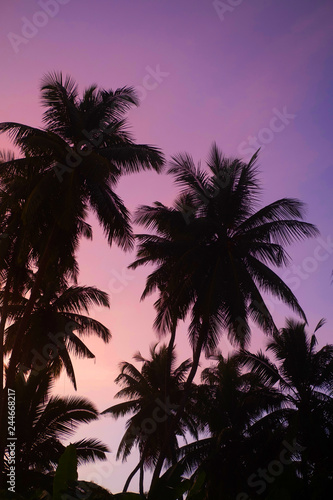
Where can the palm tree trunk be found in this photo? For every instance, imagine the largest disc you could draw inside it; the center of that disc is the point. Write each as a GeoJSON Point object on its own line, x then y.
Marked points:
{"type": "Point", "coordinates": [141, 478]}
{"type": "Point", "coordinates": [181, 408]}
{"type": "Point", "coordinates": [169, 362]}
{"type": "Point", "coordinates": [171, 345]}
{"type": "Point", "coordinates": [130, 477]}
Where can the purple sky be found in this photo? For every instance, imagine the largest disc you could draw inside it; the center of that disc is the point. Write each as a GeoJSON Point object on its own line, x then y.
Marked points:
{"type": "Point", "coordinates": [219, 77]}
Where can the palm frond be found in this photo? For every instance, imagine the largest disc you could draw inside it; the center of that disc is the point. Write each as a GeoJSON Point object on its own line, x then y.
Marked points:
{"type": "Point", "coordinates": [78, 298]}
{"type": "Point", "coordinates": [90, 450]}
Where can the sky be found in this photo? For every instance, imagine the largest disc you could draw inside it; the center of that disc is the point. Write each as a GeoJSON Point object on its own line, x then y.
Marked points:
{"type": "Point", "coordinates": [243, 73]}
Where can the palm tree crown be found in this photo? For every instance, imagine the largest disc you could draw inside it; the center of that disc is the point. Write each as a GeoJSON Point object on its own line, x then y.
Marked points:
{"type": "Point", "coordinates": [230, 406]}
{"type": "Point", "coordinates": [304, 375]}
{"type": "Point", "coordinates": [153, 396]}
{"type": "Point", "coordinates": [43, 421]}
{"type": "Point", "coordinates": [86, 140]}
{"type": "Point", "coordinates": [213, 249]}
{"type": "Point", "coordinates": [55, 327]}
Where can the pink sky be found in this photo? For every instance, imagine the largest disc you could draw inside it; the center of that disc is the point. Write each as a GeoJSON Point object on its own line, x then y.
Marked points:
{"type": "Point", "coordinates": [221, 79]}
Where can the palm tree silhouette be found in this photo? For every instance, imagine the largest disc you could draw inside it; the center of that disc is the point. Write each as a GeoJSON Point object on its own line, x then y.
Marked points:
{"type": "Point", "coordinates": [55, 327]}
{"type": "Point", "coordinates": [304, 375]}
{"type": "Point", "coordinates": [43, 421]}
{"type": "Point", "coordinates": [230, 405]}
{"type": "Point", "coordinates": [19, 248]}
{"type": "Point", "coordinates": [92, 130]}
{"type": "Point", "coordinates": [212, 253]}
{"type": "Point", "coordinates": [152, 402]}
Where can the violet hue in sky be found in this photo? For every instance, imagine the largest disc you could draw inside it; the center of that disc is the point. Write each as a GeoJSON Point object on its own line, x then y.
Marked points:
{"type": "Point", "coordinates": [221, 77]}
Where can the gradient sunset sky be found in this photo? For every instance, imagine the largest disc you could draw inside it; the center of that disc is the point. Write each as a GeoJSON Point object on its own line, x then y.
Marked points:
{"type": "Point", "coordinates": [204, 73]}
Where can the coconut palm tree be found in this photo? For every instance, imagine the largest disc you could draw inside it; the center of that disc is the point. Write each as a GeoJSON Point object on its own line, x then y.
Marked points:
{"type": "Point", "coordinates": [43, 422]}
{"type": "Point", "coordinates": [83, 150]}
{"type": "Point", "coordinates": [305, 375]}
{"type": "Point", "coordinates": [55, 327]}
{"type": "Point", "coordinates": [230, 406]}
{"type": "Point", "coordinates": [18, 242]}
{"type": "Point", "coordinates": [212, 252]}
{"type": "Point", "coordinates": [152, 401]}
{"type": "Point", "coordinates": [21, 246]}
{"type": "Point", "coordinates": [92, 130]}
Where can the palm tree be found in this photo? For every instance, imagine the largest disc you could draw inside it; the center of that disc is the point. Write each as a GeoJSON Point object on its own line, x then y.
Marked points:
{"type": "Point", "coordinates": [55, 327]}
{"type": "Point", "coordinates": [305, 375]}
{"type": "Point", "coordinates": [20, 250]}
{"type": "Point", "coordinates": [43, 421]}
{"type": "Point", "coordinates": [213, 250]}
{"type": "Point", "coordinates": [92, 130]}
{"type": "Point", "coordinates": [18, 243]}
{"type": "Point", "coordinates": [232, 407]}
{"type": "Point", "coordinates": [152, 400]}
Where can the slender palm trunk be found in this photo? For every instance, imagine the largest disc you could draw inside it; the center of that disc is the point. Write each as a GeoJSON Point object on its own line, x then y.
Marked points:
{"type": "Point", "coordinates": [130, 477]}
{"type": "Point", "coordinates": [169, 363]}
{"type": "Point", "coordinates": [171, 346]}
{"type": "Point", "coordinates": [181, 408]}
{"type": "Point", "coordinates": [167, 376]}
{"type": "Point", "coordinates": [141, 478]}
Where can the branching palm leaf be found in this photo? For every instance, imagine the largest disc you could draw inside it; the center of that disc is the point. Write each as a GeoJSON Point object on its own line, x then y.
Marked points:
{"type": "Point", "coordinates": [43, 421]}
